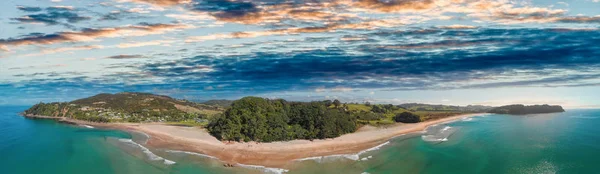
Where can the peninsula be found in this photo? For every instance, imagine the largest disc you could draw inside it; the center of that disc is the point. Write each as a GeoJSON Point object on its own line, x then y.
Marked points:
{"type": "Point", "coordinates": [253, 130]}
{"type": "Point", "coordinates": [523, 110]}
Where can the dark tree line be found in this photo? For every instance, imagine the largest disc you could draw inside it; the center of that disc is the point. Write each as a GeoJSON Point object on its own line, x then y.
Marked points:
{"type": "Point", "coordinates": [407, 117]}
{"type": "Point", "coordinates": [522, 109]}
{"type": "Point", "coordinates": [264, 120]}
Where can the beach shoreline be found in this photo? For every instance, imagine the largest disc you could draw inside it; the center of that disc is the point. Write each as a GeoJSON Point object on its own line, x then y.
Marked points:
{"type": "Point", "coordinates": [274, 154]}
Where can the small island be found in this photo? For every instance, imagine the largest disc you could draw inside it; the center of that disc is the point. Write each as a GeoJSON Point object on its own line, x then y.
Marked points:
{"type": "Point", "coordinates": [520, 109]}
{"type": "Point", "coordinates": [255, 130]}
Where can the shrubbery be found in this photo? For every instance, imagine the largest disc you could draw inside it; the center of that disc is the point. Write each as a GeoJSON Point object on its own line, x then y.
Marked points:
{"type": "Point", "coordinates": [407, 117]}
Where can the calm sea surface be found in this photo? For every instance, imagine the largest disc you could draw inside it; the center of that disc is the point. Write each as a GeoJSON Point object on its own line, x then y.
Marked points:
{"type": "Point", "coordinates": [547, 143]}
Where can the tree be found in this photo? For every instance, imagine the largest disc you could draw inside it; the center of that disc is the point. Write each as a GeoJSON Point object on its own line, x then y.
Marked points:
{"type": "Point", "coordinates": [337, 103]}
{"type": "Point", "coordinates": [377, 109]}
{"type": "Point", "coordinates": [264, 120]}
{"type": "Point", "coordinates": [407, 117]}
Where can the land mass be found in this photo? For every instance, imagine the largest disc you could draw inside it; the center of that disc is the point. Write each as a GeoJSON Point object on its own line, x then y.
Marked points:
{"type": "Point", "coordinates": [253, 130]}
{"type": "Point", "coordinates": [523, 110]}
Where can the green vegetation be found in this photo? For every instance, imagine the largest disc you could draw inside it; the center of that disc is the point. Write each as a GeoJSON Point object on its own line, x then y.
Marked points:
{"type": "Point", "coordinates": [445, 108]}
{"type": "Point", "coordinates": [127, 107]}
{"type": "Point", "coordinates": [220, 103]}
{"type": "Point", "coordinates": [249, 118]}
{"type": "Point", "coordinates": [407, 117]}
{"type": "Point", "coordinates": [264, 120]}
{"type": "Point", "coordinates": [522, 109]}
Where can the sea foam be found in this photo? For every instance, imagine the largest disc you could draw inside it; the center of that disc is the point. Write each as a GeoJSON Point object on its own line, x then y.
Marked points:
{"type": "Point", "coordinates": [148, 153]}
{"type": "Point", "coordinates": [354, 157]}
{"type": "Point", "coordinates": [440, 135]}
{"type": "Point", "coordinates": [264, 169]}
{"type": "Point", "coordinates": [191, 153]}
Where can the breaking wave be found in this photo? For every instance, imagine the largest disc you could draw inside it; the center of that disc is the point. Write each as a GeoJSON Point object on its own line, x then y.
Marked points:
{"type": "Point", "coordinates": [264, 169]}
{"type": "Point", "coordinates": [148, 153]}
{"type": "Point", "coordinates": [438, 135]}
{"type": "Point", "coordinates": [191, 153]}
{"type": "Point", "coordinates": [354, 157]}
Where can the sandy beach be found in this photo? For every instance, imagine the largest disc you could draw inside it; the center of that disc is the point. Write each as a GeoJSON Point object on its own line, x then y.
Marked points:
{"type": "Point", "coordinates": [275, 154]}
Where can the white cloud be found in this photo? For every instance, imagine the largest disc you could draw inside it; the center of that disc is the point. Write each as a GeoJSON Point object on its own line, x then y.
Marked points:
{"type": "Point", "coordinates": [320, 89]}
{"type": "Point", "coordinates": [341, 89]}
{"type": "Point", "coordinates": [138, 10]}
{"type": "Point", "coordinates": [142, 44]}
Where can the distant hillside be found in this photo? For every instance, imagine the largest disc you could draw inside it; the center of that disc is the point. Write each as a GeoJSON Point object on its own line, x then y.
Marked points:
{"type": "Point", "coordinates": [221, 103]}
{"type": "Point", "coordinates": [126, 106]}
{"type": "Point", "coordinates": [447, 108]}
{"type": "Point", "coordinates": [522, 109]}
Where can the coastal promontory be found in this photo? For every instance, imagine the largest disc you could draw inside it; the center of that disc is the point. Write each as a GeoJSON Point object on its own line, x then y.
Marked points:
{"type": "Point", "coordinates": [520, 109]}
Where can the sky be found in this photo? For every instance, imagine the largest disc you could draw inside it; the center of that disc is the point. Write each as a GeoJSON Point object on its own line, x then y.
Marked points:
{"type": "Point", "coordinates": [456, 52]}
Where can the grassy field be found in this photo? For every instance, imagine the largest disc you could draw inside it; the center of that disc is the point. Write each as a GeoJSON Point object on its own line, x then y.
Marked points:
{"type": "Point", "coordinates": [435, 113]}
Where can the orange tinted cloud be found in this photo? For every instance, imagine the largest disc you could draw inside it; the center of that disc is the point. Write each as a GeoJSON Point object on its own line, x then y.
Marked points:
{"type": "Point", "coordinates": [395, 5]}
{"type": "Point", "coordinates": [92, 34]}
{"type": "Point", "coordinates": [328, 28]}
{"type": "Point", "coordinates": [163, 3]}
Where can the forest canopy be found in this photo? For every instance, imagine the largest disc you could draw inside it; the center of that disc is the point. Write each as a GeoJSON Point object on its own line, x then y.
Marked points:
{"type": "Point", "coordinates": [265, 120]}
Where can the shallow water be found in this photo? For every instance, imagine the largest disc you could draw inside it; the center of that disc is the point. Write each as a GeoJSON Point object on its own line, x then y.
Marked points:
{"type": "Point", "coordinates": [546, 143]}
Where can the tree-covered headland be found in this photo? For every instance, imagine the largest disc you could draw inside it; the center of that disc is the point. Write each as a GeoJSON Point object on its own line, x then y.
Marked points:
{"type": "Point", "coordinates": [260, 119]}
{"type": "Point", "coordinates": [265, 120]}
{"type": "Point", "coordinates": [522, 109]}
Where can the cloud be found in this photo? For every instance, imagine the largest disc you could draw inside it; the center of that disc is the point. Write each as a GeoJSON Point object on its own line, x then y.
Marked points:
{"type": "Point", "coordinates": [57, 15]}
{"type": "Point", "coordinates": [580, 19]}
{"type": "Point", "coordinates": [458, 27]}
{"type": "Point", "coordinates": [190, 16]}
{"type": "Point", "coordinates": [124, 56]}
{"type": "Point", "coordinates": [483, 58]}
{"type": "Point", "coordinates": [29, 9]}
{"type": "Point", "coordinates": [142, 44]}
{"type": "Point", "coordinates": [370, 25]}
{"type": "Point", "coordinates": [164, 3]}
{"type": "Point", "coordinates": [60, 8]}
{"type": "Point", "coordinates": [395, 5]}
{"type": "Point", "coordinates": [341, 89]}
{"type": "Point", "coordinates": [138, 10]}
{"type": "Point", "coordinates": [52, 18]}
{"type": "Point", "coordinates": [65, 49]}
{"type": "Point", "coordinates": [4, 48]}
{"type": "Point", "coordinates": [91, 34]}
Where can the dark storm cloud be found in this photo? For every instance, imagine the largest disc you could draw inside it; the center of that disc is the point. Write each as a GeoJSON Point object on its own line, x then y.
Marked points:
{"type": "Point", "coordinates": [53, 16]}
{"type": "Point", "coordinates": [89, 33]}
{"type": "Point", "coordinates": [477, 54]}
{"type": "Point", "coordinates": [492, 57]}
{"type": "Point", "coordinates": [124, 56]}
{"type": "Point", "coordinates": [29, 9]}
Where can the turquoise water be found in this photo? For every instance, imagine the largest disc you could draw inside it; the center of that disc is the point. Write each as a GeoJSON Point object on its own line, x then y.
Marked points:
{"type": "Point", "coordinates": [548, 143]}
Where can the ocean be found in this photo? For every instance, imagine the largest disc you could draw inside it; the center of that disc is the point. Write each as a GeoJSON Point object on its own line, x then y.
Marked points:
{"type": "Point", "coordinates": [546, 143]}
